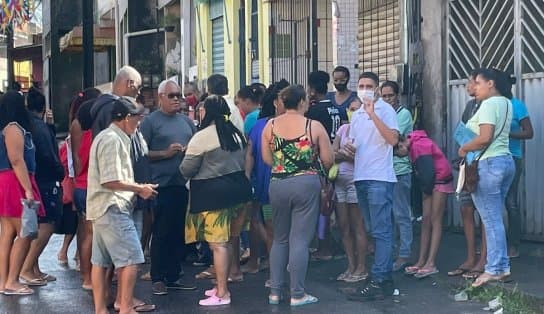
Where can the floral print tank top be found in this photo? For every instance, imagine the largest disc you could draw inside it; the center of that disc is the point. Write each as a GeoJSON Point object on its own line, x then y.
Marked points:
{"type": "Point", "coordinates": [293, 157]}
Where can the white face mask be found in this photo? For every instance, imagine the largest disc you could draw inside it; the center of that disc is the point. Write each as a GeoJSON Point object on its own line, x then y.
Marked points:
{"type": "Point", "coordinates": [366, 95]}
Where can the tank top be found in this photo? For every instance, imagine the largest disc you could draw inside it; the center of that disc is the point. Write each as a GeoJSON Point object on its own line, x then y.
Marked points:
{"type": "Point", "coordinates": [293, 157]}
{"type": "Point", "coordinates": [29, 153]}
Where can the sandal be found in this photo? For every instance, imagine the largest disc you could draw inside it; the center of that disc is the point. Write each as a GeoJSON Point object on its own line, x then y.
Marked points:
{"type": "Point", "coordinates": [306, 299]}
{"type": "Point", "coordinates": [458, 272]}
{"type": "Point", "coordinates": [21, 291]}
{"type": "Point", "coordinates": [36, 282]}
{"type": "Point", "coordinates": [426, 272]}
{"type": "Point", "coordinates": [205, 275]}
{"type": "Point", "coordinates": [343, 276]}
{"type": "Point", "coordinates": [486, 278]}
{"type": "Point", "coordinates": [140, 308]}
{"type": "Point", "coordinates": [411, 270]}
{"type": "Point", "coordinates": [214, 301]}
{"type": "Point", "coordinates": [356, 278]}
{"type": "Point", "coordinates": [473, 274]}
{"type": "Point", "coordinates": [48, 277]}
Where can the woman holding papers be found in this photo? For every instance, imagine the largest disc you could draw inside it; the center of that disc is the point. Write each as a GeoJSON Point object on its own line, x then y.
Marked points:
{"type": "Point", "coordinates": [491, 124]}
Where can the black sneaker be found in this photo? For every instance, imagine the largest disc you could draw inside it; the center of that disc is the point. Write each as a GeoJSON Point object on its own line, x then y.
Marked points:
{"type": "Point", "coordinates": [372, 291]}
{"type": "Point", "coordinates": [178, 285]}
{"type": "Point", "coordinates": [159, 288]}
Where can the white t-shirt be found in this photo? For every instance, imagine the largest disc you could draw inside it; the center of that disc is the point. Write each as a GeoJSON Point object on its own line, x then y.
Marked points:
{"type": "Point", "coordinates": [374, 156]}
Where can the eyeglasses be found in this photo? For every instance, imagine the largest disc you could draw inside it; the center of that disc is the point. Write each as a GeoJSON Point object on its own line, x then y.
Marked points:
{"type": "Point", "coordinates": [389, 96]}
{"type": "Point", "coordinates": [173, 95]}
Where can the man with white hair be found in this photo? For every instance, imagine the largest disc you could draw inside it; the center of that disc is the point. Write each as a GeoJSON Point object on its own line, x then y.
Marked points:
{"type": "Point", "coordinates": [167, 133]}
{"type": "Point", "coordinates": [128, 82]}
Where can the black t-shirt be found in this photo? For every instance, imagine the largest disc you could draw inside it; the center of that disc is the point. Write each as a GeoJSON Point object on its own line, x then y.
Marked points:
{"type": "Point", "coordinates": [329, 115]}
{"type": "Point", "coordinates": [48, 166]}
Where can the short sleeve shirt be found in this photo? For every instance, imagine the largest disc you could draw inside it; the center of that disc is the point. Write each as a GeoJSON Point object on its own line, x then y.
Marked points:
{"type": "Point", "coordinates": [160, 131]}
{"type": "Point", "coordinates": [520, 112]}
{"type": "Point", "coordinates": [403, 165]}
{"type": "Point", "coordinates": [250, 121]}
{"type": "Point", "coordinates": [373, 156]}
{"type": "Point", "coordinates": [329, 115]}
{"type": "Point", "coordinates": [109, 161]}
{"type": "Point", "coordinates": [497, 111]}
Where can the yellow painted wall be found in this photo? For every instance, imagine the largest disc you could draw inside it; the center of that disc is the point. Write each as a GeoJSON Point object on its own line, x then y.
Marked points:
{"type": "Point", "coordinates": [203, 41]}
{"type": "Point", "coordinates": [232, 47]}
{"type": "Point", "coordinates": [264, 41]}
{"type": "Point", "coordinates": [247, 38]}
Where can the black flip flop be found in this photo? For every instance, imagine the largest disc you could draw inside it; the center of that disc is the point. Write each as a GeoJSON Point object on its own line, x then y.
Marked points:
{"type": "Point", "coordinates": [458, 272]}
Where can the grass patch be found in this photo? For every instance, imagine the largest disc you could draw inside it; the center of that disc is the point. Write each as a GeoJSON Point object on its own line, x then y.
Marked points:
{"type": "Point", "coordinates": [513, 301]}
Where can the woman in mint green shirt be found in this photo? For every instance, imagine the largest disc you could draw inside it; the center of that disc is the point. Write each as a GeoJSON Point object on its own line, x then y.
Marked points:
{"type": "Point", "coordinates": [491, 124]}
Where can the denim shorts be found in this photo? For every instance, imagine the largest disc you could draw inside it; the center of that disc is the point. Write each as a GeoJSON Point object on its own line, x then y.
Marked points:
{"type": "Point", "coordinates": [52, 203]}
{"type": "Point", "coordinates": [80, 201]}
{"type": "Point", "coordinates": [115, 240]}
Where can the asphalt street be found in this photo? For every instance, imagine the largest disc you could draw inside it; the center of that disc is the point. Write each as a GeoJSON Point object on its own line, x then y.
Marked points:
{"type": "Point", "coordinates": [430, 295]}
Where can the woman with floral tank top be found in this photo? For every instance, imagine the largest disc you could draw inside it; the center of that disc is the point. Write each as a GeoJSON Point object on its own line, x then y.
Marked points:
{"type": "Point", "coordinates": [297, 150]}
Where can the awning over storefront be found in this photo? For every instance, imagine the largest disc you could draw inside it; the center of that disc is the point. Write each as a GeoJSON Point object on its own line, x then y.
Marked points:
{"type": "Point", "coordinates": [104, 37]}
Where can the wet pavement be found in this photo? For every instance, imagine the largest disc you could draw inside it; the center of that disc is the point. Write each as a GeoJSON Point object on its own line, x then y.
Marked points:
{"type": "Point", "coordinates": [429, 295]}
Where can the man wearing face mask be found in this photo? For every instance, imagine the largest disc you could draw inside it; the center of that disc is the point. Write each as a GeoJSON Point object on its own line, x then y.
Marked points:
{"type": "Point", "coordinates": [374, 132]}
{"type": "Point", "coordinates": [343, 96]}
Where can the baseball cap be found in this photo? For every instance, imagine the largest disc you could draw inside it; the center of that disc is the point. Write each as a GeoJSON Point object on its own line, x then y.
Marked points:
{"type": "Point", "coordinates": [123, 106]}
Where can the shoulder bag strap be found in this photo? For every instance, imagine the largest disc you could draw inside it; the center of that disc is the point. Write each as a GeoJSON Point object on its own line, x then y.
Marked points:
{"type": "Point", "coordinates": [498, 134]}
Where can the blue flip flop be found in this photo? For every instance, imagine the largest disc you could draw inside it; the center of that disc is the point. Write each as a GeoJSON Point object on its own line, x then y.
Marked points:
{"type": "Point", "coordinates": [307, 299]}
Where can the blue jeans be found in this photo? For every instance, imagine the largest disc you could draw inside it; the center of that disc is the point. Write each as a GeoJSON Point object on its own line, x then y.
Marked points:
{"type": "Point", "coordinates": [496, 175]}
{"type": "Point", "coordinates": [402, 213]}
{"type": "Point", "coordinates": [376, 203]}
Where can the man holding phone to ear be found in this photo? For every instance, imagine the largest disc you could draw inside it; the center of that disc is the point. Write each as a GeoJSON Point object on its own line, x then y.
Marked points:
{"type": "Point", "coordinates": [374, 133]}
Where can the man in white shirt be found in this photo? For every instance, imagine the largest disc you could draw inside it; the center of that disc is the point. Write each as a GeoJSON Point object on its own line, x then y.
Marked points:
{"type": "Point", "coordinates": [374, 132]}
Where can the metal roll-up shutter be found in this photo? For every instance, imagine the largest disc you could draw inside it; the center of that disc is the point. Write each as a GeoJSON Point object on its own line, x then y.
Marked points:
{"type": "Point", "coordinates": [379, 36]}
{"type": "Point", "coordinates": [218, 36]}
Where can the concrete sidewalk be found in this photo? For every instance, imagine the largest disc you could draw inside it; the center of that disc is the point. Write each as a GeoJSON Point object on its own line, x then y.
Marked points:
{"type": "Point", "coordinates": [429, 295]}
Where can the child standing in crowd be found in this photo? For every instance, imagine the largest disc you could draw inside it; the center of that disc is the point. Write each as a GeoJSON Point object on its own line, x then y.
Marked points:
{"type": "Point", "coordinates": [347, 209]}
{"type": "Point", "coordinates": [433, 172]}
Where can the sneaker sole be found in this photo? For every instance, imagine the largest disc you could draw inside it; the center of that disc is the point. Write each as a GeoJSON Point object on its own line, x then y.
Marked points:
{"type": "Point", "coordinates": [160, 293]}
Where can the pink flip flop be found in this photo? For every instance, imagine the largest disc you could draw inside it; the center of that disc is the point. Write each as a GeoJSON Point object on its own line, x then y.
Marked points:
{"type": "Point", "coordinates": [411, 270]}
{"type": "Point", "coordinates": [214, 301]}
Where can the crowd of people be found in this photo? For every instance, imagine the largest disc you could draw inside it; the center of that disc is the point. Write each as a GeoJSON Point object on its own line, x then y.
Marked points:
{"type": "Point", "coordinates": [280, 163]}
